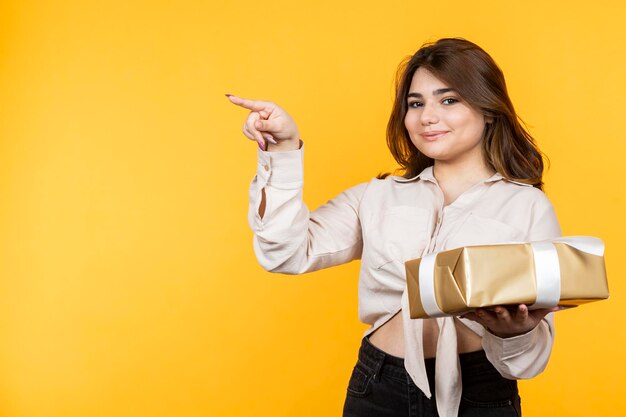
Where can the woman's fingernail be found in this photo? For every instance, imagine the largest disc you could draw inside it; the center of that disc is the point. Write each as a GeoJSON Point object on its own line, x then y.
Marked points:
{"type": "Point", "coordinates": [261, 146]}
{"type": "Point", "coordinates": [270, 139]}
{"type": "Point", "coordinates": [228, 95]}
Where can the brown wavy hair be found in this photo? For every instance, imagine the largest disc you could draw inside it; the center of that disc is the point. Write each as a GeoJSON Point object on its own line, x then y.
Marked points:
{"type": "Point", "coordinates": [507, 146]}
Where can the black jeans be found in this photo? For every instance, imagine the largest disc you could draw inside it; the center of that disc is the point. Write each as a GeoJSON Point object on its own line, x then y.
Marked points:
{"type": "Point", "coordinates": [380, 387]}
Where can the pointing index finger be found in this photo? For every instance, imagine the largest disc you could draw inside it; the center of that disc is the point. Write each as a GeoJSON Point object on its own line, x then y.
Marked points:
{"type": "Point", "coordinates": [254, 105]}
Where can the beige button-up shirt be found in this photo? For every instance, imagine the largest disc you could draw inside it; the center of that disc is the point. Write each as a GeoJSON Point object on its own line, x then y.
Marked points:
{"type": "Point", "coordinates": [387, 222]}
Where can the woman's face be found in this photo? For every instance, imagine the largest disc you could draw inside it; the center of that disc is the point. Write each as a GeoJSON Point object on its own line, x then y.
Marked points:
{"type": "Point", "coordinates": [440, 123]}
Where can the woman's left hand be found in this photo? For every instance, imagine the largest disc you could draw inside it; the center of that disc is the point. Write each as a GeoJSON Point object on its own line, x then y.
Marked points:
{"type": "Point", "coordinates": [508, 323]}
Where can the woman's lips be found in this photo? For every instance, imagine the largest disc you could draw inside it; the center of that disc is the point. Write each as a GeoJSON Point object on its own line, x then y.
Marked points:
{"type": "Point", "coordinates": [433, 135]}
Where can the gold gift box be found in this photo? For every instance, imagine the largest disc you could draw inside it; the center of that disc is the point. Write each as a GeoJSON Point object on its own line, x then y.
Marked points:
{"type": "Point", "coordinates": [483, 276]}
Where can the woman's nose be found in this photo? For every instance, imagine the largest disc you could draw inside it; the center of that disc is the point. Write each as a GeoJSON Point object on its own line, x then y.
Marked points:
{"type": "Point", "coordinates": [429, 115]}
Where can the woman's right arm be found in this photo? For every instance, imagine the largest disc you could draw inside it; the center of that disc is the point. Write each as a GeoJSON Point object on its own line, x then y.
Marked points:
{"type": "Point", "coordinates": [288, 238]}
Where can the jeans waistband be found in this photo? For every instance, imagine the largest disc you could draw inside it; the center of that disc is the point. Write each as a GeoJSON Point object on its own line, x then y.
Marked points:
{"type": "Point", "coordinates": [383, 363]}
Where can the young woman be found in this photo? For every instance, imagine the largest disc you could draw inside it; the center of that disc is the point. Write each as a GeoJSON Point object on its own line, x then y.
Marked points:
{"type": "Point", "coordinates": [472, 175]}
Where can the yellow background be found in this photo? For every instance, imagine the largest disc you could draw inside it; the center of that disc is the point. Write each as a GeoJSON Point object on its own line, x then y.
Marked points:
{"type": "Point", "coordinates": [128, 285]}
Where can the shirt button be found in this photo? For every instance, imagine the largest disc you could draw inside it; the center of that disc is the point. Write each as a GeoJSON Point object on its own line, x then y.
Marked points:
{"type": "Point", "coordinates": [266, 167]}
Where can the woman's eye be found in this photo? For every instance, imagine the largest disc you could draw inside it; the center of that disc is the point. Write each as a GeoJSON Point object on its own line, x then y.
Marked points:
{"type": "Point", "coordinates": [414, 104]}
{"type": "Point", "coordinates": [450, 100]}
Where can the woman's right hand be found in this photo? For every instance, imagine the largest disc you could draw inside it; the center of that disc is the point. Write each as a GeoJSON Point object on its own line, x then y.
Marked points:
{"type": "Point", "coordinates": [269, 125]}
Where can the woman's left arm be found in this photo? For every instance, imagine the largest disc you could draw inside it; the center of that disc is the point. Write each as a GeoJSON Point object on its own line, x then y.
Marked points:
{"type": "Point", "coordinates": [518, 342]}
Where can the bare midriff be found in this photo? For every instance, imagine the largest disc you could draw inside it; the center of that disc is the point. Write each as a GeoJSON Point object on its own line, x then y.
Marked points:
{"type": "Point", "coordinates": [390, 337]}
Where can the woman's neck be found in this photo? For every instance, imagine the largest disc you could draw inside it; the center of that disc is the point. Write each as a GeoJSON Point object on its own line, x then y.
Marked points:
{"type": "Point", "coordinates": [455, 179]}
{"type": "Point", "coordinates": [470, 171]}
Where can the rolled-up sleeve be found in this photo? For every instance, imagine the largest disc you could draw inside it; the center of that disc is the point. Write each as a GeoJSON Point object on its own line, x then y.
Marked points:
{"type": "Point", "coordinates": [289, 238]}
{"type": "Point", "coordinates": [523, 356]}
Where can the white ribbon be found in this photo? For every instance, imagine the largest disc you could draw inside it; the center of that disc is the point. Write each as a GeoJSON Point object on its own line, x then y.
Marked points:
{"type": "Point", "coordinates": [547, 271]}
{"type": "Point", "coordinates": [547, 274]}
{"type": "Point", "coordinates": [586, 244]}
{"type": "Point", "coordinates": [427, 286]}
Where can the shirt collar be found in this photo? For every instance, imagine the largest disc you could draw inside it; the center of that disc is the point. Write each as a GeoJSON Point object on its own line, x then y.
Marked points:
{"type": "Point", "coordinates": [428, 175]}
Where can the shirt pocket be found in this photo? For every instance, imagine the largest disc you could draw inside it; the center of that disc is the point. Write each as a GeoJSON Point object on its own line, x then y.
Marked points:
{"type": "Point", "coordinates": [477, 230]}
{"type": "Point", "coordinates": [397, 234]}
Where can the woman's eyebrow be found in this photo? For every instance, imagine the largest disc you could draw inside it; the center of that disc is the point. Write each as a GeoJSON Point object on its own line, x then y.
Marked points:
{"type": "Point", "coordinates": [442, 91]}
{"type": "Point", "coordinates": [436, 92]}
